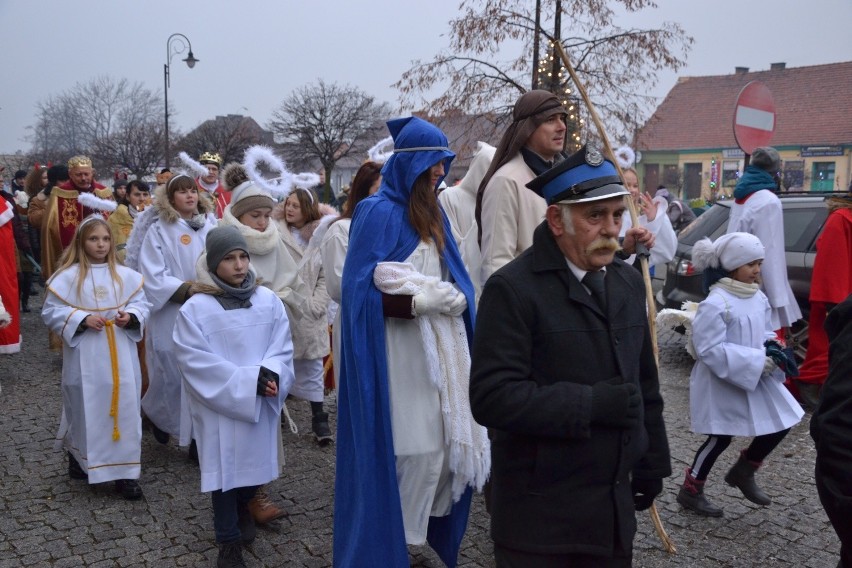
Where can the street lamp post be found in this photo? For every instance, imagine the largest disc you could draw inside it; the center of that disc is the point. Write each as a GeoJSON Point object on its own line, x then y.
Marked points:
{"type": "Point", "coordinates": [176, 43]}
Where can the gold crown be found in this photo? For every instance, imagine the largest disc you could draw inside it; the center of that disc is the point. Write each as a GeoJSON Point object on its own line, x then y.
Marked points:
{"type": "Point", "coordinates": [210, 158]}
{"type": "Point", "coordinates": [79, 162]}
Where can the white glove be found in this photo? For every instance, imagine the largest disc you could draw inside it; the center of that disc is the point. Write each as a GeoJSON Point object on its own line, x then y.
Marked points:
{"type": "Point", "coordinates": [458, 305]}
{"type": "Point", "coordinates": [435, 298]}
{"type": "Point", "coordinates": [769, 365]}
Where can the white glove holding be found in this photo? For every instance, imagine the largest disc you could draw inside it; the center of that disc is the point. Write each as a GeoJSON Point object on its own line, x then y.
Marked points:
{"type": "Point", "coordinates": [458, 305]}
{"type": "Point", "coordinates": [435, 297]}
{"type": "Point", "coordinates": [769, 365]}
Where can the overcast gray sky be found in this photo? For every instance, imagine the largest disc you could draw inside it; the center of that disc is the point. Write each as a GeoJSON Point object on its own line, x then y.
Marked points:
{"type": "Point", "coordinates": [253, 53]}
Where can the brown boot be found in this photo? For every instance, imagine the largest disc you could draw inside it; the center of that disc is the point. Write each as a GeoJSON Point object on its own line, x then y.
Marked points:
{"type": "Point", "coordinates": [691, 496]}
{"type": "Point", "coordinates": [262, 509]}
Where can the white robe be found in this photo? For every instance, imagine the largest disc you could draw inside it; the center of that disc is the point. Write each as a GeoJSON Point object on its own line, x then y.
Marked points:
{"type": "Point", "coordinates": [167, 260]}
{"type": "Point", "coordinates": [220, 353]}
{"type": "Point", "coordinates": [665, 238]}
{"type": "Point", "coordinates": [728, 392]}
{"type": "Point", "coordinates": [334, 245]}
{"type": "Point", "coordinates": [425, 483]}
{"type": "Point", "coordinates": [762, 216]}
{"type": "Point", "coordinates": [87, 428]}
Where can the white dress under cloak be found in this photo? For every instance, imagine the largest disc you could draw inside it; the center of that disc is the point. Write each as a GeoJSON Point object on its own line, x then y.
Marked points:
{"type": "Point", "coordinates": [220, 353]}
{"type": "Point", "coordinates": [422, 465]}
{"type": "Point", "coordinates": [665, 238]}
{"type": "Point", "coordinates": [762, 216]}
{"type": "Point", "coordinates": [86, 428]}
{"type": "Point", "coordinates": [167, 260]}
{"type": "Point", "coordinates": [728, 392]}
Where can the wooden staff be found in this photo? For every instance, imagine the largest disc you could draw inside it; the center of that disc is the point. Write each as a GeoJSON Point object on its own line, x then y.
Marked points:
{"type": "Point", "coordinates": [668, 544]}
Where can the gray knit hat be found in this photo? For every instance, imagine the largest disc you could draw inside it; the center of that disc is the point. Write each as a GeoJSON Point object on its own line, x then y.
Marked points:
{"type": "Point", "coordinates": [766, 158]}
{"type": "Point", "coordinates": [221, 241]}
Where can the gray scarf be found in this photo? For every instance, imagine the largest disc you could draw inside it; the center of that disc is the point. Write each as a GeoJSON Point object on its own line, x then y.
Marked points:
{"type": "Point", "coordinates": [235, 298]}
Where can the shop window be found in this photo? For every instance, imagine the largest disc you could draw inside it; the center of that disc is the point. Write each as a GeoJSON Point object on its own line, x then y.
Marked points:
{"type": "Point", "coordinates": [822, 178]}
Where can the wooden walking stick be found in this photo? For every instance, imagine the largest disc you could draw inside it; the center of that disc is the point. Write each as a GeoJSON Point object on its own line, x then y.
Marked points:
{"type": "Point", "coordinates": [668, 544]}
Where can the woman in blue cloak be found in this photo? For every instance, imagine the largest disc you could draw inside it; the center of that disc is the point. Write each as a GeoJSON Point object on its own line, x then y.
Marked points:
{"type": "Point", "coordinates": [408, 451]}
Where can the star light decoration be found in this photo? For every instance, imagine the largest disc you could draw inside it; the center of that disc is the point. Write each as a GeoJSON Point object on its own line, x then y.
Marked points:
{"type": "Point", "coordinates": [559, 86]}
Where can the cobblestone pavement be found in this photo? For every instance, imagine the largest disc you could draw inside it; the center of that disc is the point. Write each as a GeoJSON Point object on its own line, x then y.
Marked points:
{"type": "Point", "coordinates": [48, 520]}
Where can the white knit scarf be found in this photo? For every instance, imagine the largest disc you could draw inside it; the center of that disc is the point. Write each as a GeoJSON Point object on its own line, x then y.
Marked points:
{"type": "Point", "coordinates": [448, 361]}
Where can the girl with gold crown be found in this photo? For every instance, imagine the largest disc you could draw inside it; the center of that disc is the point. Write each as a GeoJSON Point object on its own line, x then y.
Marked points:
{"type": "Point", "coordinates": [99, 309]}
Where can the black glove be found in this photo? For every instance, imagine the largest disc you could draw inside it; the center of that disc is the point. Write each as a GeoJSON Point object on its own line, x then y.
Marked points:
{"type": "Point", "coordinates": [644, 491]}
{"type": "Point", "coordinates": [615, 405]}
{"type": "Point", "coordinates": [264, 377]}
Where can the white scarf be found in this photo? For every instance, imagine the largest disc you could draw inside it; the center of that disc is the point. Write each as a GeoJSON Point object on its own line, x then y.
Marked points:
{"type": "Point", "coordinates": [737, 288]}
{"type": "Point", "coordinates": [448, 361]}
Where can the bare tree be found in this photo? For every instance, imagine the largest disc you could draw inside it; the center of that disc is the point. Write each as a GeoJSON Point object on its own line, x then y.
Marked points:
{"type": "Point", "coordinates": [617, 66]}
{"type": "Point", "coordinates": [325, 122]}
{"type": "Point", "coordinates": [115, 122]}
{"type": "Point", "coordinates": [229, 136]}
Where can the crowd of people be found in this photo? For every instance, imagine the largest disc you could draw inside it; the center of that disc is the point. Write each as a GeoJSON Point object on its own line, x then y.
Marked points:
{"type": "Point", "coordinates": [491, 338]}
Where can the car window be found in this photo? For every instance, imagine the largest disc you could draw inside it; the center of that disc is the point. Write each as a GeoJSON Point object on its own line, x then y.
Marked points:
{"type": "Point", "coordinates": [707, 223]}
{"type": "Point", "coordinates": [801, 227]}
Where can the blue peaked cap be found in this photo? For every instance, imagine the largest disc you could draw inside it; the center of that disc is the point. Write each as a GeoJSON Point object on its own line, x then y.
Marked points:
{"type": "Point", "coordinates": [583, 176]}
{"type": "Point", "coordinates": [418, 145]}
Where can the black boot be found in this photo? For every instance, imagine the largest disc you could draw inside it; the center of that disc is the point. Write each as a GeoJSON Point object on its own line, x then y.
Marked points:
{"type": "Point", "coordinates": [159, 435]}
{"type": "Point", "coordinates": [193, 451]}
{"type": "Point", "coordinates": [319, 425]}
{"type": "Point", "coordinates": [129, 489]}
{"type": "Point", "coordinates": [230, 556]}
{"type": "Point", "coordinates": [742, 477]}
{"type": "Point", "coordinates": [691, 496]}
{"type": "Point", "coordinates": [74, 469]}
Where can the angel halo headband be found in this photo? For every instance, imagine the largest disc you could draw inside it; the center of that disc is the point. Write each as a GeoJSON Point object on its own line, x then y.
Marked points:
{"type": "Point", "coordinates": [308, 191]}
{"type": "Point", "coordinates": [422, 149]}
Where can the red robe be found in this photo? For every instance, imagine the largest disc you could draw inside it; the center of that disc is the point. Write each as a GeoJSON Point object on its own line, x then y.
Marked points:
{"type": "Point", "coordinates": [218, 196]}
{"type": "Point", "coordinates": [831, 283]}
{"type": "Point", "coordinates": [10, 336]}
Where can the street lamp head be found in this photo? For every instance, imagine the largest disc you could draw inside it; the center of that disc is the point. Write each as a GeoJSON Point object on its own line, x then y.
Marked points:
{"type": "Point", "coordinates": [191, 60]}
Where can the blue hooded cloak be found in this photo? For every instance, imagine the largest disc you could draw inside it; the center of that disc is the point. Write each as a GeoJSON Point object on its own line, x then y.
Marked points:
{"type": "Point", "coordinates": [368, 525]}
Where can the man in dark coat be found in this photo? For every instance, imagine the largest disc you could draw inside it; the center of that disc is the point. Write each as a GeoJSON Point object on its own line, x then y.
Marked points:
{"type": "Point", "coordinates": [563, 375]}
{"type": "Point", "coordinates": [831, 429]}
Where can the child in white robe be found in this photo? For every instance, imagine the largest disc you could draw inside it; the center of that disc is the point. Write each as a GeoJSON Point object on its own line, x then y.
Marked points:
{"type": "Point", "coordinates": [170, 247]}
{"type": "Point", "coordinates": [735, 389]}
{"type": "Point", "coordinates": [99, 309]}
{"type": "Point", "coordinates": [233, 348]}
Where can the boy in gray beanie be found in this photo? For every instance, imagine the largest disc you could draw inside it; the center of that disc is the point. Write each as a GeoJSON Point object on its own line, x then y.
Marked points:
{"type": "Point", "coordinates": [233, 347]}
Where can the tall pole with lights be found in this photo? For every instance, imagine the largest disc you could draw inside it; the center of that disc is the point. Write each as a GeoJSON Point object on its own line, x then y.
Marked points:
{"type": "Point", "coordinates": [177, 43]}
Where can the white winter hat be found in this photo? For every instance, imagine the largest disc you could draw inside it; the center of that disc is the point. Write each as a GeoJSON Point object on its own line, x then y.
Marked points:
{"type": "Point", "coordinates": [729, 252]}
{"type": "Point", "coordinates": [249, 196]}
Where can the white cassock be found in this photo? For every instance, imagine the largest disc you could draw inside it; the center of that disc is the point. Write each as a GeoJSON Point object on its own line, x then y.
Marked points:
{"type": "Point", "coordinates": [167, 260]}
{"type": "Point", "coordinates": [220, 353]}
{"type": "Point", "coordinates": [101, 423]}
{"type": "Point", "coordinates": [665, 238]}
{"type": "Point", "coordinates": [728, 392]}
{"type": "Point", "coordinates": [422, 454]}
{"type": "Point", "coordinates": [762, 216]}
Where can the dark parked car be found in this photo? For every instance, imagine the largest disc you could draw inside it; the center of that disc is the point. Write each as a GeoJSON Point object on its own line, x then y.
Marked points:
{"type": "Point", "coordinates": [804, 217]}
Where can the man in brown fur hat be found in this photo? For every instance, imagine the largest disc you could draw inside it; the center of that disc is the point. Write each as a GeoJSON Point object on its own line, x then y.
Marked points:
{"type": "Point", "coordinates": [506, 211]}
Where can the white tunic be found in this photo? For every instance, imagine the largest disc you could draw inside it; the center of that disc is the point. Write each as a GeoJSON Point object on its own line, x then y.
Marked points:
{"type": "Point", "coordinates": [87, 429]}
{"type": "Point", "coordinates": [762, 216]}
{"type": "Point", "coordinates": [416, 419]}
{"type": "Point", "coordinates": [728, 394]}
{"type": "Point", "coordinates": [665, 238]}
{"type": "Point", "coordinates": [167, 260]}
{"type": "Point", "coordinates": [460, 206]}
{"type": "Point", "coordinates": [220, 353]}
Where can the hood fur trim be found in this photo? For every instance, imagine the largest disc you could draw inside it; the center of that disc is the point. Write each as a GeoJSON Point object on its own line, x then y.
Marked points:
{"type": "Point", "coordinates": [168, 213]}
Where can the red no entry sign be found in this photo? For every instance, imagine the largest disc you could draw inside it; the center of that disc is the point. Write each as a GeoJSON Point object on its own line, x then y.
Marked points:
{"type": "Point", "coordinates": [754, 117]}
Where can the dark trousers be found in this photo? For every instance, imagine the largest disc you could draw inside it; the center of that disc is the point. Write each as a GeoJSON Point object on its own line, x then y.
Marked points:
{"type": "Point", "coordinates": [834, 494]}
{"type": "Point", "coordinates": [25, 282]}
{"type": "Point", "coordinates": [510, 558]}
{"type": "Point", "coordinates": [226, 508]}
{"type": "Point", "coordinates": [712, 448]}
